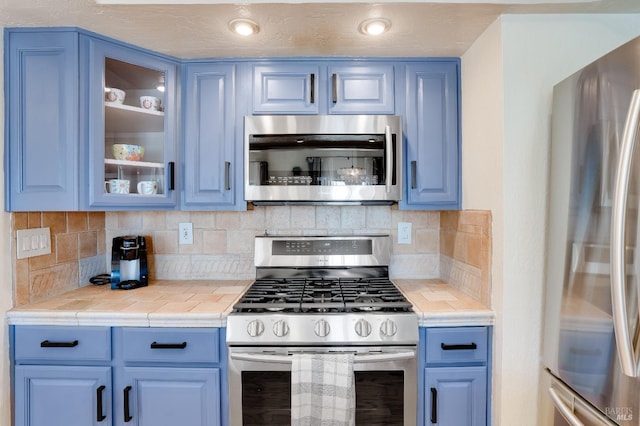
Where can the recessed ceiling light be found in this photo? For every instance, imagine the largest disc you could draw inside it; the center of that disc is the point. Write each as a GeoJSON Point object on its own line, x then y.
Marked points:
{"type": "Point", "coordinates": [244, 27]}
{"type": "Point", "coordinates": [374, 26]}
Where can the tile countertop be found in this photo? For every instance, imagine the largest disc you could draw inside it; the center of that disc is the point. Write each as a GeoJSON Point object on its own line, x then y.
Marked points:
{"type": "Point", "coordinates": [439, 304]}
{"type": "Point", "coordinates": [206, 303]}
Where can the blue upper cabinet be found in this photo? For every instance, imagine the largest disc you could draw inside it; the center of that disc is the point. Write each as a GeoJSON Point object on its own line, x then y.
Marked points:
{"type": "Point", "coordinates": [432, 134]}
{"type": "Point", "coordinates": [323, 87]}
{"type": "Point", "coordinates": [88, 128]}
{"type": "Point", "coordinates": [361, 89]}
{"type": "Point", "coordinates": [131, 132]}
{"type": "Point", "coordinates": [41, 120]}
{"type": "Point", "coordinates": [287, 88]}
{"type": "Point", "coordinates": [212, 158]}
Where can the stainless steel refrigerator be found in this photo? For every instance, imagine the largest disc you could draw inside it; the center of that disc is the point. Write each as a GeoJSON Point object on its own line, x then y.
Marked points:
{"type": "Point", "coordinates": [591, 344]}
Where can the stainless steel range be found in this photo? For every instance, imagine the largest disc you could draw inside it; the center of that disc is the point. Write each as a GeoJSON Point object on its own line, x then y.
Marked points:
{"type": "Point", "coordinates": [322, 294]}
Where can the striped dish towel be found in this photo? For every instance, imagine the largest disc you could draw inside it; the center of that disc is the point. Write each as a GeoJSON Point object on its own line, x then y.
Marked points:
{"type": "Point", "coordinates": [322, 390]}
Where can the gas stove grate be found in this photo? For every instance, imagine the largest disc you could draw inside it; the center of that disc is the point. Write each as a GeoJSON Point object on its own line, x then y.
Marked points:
{"type": "Point", "coordinates": [323, 295]}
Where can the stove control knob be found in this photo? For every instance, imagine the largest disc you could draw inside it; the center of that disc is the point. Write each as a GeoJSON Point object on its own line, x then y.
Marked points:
{"type": "Point", "coordinates": [255, 328]}
{"type": "Point", "coordinates": [322, 328]}
{"type": "Point", "coordinates": [280, 328]}
{"type": "Point", "coordinates": [388, 328]}
{"type": "Point", "coordinates": [363, 328]}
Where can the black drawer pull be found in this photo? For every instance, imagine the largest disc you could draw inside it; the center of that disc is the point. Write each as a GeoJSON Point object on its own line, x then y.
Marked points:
{"type": "Point", "coordinates": [463, 347]}
{"type": "Point", "coordinates": [127, 411]}
{"type": "Point", "coordinates": [100, 416]}
{"type": "Point", "coordinates": [48, 344]}
{"type": "Point", "coordinates": [156, 345]}
{"type": "Point", "coordinates": [312, 89]}
{"type": "Point", "coordinates": [434, 405]}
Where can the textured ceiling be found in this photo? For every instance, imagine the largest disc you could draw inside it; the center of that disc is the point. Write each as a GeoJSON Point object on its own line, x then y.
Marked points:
{"type": "Point", "coordinates": [287, 29]}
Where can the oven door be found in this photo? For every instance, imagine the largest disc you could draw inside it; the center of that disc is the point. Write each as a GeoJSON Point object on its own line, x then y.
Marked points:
{"type": "Point", "coordinates": [260, 385]}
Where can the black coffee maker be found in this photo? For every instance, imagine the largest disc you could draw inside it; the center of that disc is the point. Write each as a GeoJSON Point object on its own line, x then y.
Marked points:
{"type": "Point", "coordinates": [129, 263]}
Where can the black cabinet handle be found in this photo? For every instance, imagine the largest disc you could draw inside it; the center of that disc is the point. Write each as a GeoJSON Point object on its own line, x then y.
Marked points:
{"type": "Point", "coordinates": [227, 175]}
{"type": "Point", "coordinates": [464, 347]}
{"type": "Point", "coordinates": [312, 90]}
{"type": "Point", "coordinates": [172, 175]}
{"type": "Point", "coordinates": [156, 345]}
{"type": "Point", "coordinates": [414, 181]}
{"type": "Point", "coordinates": [48, 344]}
{"type": "Point", "coordinates": [334, 88]}
{"type": "Point", "coordinates": [434, 405]}
{"type": "Point", "coordinates": [127, 412]}
{"type": "Point", "coordinates": [100, 416]}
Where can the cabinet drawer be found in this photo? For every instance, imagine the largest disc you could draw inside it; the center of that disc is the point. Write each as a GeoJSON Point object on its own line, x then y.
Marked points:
{"type": "Point", "coordinates": [51, 343]}
{"type": "Point", "coordinates": [456, 345]}
{"type": "Point", "coordinates": [170, 345]}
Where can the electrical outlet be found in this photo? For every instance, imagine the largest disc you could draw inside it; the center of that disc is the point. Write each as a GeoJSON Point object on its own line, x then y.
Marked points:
{"type": "Point", "coordinates": [33, 242]}
{"type": "Point", "coordinates": [404, 233]}
{"type": "Point", "coordinates": [185, 233]}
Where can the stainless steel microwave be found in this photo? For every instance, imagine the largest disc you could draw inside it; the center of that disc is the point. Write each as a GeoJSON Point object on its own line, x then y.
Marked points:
{"type": "Point", "coordinates": [323, 159]}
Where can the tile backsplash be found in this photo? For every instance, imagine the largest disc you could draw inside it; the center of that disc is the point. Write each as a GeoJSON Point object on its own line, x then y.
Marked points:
{"type": "Point", "coordinates": [77, 253]}
{"type": "Point", "coordinates": [223, 244]}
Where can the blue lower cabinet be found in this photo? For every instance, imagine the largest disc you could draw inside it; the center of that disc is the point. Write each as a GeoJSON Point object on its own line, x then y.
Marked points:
{"type": "Point", "coordinates": [454, 387]}
{"type": "Point", "coordinates": [169, 396]}
{"type": "Point", "coordinates": [125, 376]}
{"type": "Point", "coordinates": [169, 376]}
{"type": "Point", "coordinates": [456, 396]}
{"type": "Point", "coordinates": [48, 395]}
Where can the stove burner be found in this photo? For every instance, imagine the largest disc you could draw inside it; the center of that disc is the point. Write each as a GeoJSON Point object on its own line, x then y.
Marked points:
{"type": "Point", "coordinates": [276, 308]}
{"type": "Point", "coordinates": [323, 295]}
{"type": "Point", "coordinates": [369, 303]}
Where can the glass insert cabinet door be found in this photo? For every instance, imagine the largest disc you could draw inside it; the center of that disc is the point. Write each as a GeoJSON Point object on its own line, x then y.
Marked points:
{"type": "Point", "coordinates": [131, 116]}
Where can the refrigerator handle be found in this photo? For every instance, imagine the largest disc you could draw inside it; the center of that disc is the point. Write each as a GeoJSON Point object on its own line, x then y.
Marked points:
{"type": "Point", "coordinates": [626, 353]}
{"type": "Point", "coordinates": [566, 411]}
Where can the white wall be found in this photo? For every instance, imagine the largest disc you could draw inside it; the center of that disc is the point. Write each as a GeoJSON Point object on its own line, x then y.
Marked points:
{"type": "Point", "coordinates": [536, 52]}
{"type": "Point", "coordinates": [6, 295]}
{"type": "Point", "coordinates": [482, 155]}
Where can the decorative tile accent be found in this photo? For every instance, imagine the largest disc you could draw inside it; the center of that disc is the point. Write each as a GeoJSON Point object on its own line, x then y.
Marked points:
{"type": "Point", "coordinates": [92, 266]}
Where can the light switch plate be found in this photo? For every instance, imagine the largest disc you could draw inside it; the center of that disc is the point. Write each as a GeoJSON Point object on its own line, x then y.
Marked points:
{"type": "Point", "coordinates": [185, 235]}
{"type": "Point", "coordinates": [33, 242]}
{"type": "Point", "coordinates": [404, 233]}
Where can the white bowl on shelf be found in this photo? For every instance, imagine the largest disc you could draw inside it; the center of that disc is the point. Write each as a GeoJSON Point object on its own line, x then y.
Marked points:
{"type": "Point", "coordinates": [122, 151]}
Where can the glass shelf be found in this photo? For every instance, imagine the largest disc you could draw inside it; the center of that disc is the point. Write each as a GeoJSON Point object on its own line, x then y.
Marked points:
{"type": "Point", "coordinates": [127, 118]}
{"type": "Point", "coordinates": [144, 164]}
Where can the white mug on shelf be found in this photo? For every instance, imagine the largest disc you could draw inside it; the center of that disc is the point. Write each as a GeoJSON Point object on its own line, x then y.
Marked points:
{"type": "Point", "coordinates": [150, 103]}
{"type": "Point", "coordinates": [147, 187]}
{"type": "Point", "coordinates": [117, 186]}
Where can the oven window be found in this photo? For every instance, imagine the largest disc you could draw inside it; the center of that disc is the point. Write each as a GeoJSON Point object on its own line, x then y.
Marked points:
{"type": "Point", "coordinates": [266, 398]}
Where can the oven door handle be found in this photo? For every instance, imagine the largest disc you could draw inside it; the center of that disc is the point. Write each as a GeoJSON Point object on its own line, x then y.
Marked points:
{"type": "Point", "coordinates": [357, 359]}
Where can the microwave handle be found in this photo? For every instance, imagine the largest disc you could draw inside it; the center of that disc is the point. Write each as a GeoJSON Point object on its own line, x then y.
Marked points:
{"type": "Point", "coordinates": [388, 147]}
{"type": "Point", "coordinates": [357, 359]}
